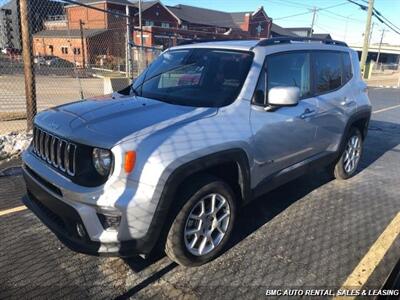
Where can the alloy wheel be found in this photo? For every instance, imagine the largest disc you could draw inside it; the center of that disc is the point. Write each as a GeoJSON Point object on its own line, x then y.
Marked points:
{"type": "Point", "coordinates": [352, 154]}
{"type": "Point", "coordinates": [207, 224]}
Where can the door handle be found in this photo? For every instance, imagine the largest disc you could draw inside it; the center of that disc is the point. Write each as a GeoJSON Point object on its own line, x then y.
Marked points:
{"type": "Point", "coordinates": [307, 113]}
{"type": "Point", "coordinates": [347, 102]}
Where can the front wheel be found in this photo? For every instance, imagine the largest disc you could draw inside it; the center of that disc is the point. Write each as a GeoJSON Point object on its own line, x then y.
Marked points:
{"type": "Point", "coordinates": [347, 165]}
{"type": "Point", "coordinates": [203, 225]}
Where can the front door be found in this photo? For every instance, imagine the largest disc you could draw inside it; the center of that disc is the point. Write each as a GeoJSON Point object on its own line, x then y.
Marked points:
{"type": "Point", "coordinates": [286, 135]}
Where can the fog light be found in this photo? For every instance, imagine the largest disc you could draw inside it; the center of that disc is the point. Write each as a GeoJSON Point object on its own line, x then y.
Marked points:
{"type": "Point", "coordinates": [110, 222]}
{"type": "Point", "coordinates": [80, 230]}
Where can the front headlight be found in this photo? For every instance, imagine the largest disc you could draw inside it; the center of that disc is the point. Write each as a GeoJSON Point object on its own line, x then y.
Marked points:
{"type": "Point", "coordinates": [102, 161]}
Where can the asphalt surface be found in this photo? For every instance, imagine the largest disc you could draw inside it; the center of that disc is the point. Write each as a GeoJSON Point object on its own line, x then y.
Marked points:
{"type": "Point", "coordinates": [50, 91]}
{"type": "Point", "coordinates": [310, 233]}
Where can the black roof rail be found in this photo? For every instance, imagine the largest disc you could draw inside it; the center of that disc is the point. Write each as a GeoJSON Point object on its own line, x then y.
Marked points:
{"type": "Point", "coordinates": [288, 40]}
{"type": "Point", "coordinates": [195, 41]}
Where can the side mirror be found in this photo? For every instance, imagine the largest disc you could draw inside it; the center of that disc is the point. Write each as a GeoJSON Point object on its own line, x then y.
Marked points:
{"type": "Point", "coordinates": [284, 96]}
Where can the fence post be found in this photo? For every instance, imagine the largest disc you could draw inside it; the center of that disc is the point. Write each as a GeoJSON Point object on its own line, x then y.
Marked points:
{"type": "Point", "coordinates": [30, 88]}
{"type": "Point", "coordinates": [128, 57]}
{"type": "Point", "coordinates": [82, 43]}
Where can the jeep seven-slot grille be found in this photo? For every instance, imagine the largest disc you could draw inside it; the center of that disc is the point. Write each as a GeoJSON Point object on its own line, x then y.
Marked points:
{"type": "Point", "coordinates": [57, 152]}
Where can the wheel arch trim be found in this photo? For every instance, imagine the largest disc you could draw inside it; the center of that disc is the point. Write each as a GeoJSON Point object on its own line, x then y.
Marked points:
{"type": "Point", "coordinates": [165, 192]}
{"type": "Point", "coordinates": [364, 114]}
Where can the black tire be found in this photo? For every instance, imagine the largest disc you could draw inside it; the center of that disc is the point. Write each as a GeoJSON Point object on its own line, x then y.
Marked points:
{"type": "Point", "coordinates": [339, 170]}
{"type": "Point", "coordinates": [199, 188]}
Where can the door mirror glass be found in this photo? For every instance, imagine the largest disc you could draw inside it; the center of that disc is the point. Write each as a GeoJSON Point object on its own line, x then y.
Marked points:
{"type": "Point", "coordinates": [283, 96]}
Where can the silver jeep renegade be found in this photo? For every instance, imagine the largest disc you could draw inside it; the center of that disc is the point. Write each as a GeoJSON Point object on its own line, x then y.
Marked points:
{"type": "Point", "coordinates": [206, 128]}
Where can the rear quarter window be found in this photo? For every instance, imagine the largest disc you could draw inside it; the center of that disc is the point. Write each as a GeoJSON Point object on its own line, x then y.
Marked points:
{"type": "Point", "coordinates": [347, 69]}
{"type": "Point", "coordinates": [328, 71]}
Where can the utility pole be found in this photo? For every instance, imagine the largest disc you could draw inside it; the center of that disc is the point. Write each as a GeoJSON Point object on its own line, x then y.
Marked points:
{"type": "Point", "coordinates": [345, 28]}
{"type": "Point", "coordinates": [372, 32]}
{"type": "Point", "coordinates": [380, 45]}
{"type": "Point", "coordinates": [366, 36]}
{"type": "Point", "coordinates": [30, 87]}
{"type": "Point", "coordinates": [82, 43]}
{"type": "Point", "coordinates": [312, 22]}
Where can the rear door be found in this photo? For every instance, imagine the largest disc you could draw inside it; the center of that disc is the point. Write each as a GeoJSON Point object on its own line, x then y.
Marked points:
{"type": "Point", "coordinates": [285, 136]}
{"type": "Point", "coordinates": [334, 94]}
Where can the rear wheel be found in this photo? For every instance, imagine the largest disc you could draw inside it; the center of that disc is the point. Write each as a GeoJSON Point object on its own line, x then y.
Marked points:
{"type": "Point", "coordinates": [203, 225]}
{"type": "Point", "coordinates": [347, 165]}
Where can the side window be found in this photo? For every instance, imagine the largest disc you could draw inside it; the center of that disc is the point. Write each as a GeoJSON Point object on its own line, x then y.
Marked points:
{"type": "Point", "coordinates": [260, 97]}
{"type": "Point", "coordinates": [328, 71]}
{"type": "Point", "coordinates": [290, 69]}
{"type": "Point", "coordinates": [347, 70]}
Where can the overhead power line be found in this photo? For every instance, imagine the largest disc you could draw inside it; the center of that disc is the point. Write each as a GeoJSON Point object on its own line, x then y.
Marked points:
{"type": "Point", "coordinates": [295, 15]}
{"type": "Point", "coordinates": [291, 3]}
{"type": "Point", "coordinates": [312, 11]}
{"type": "Point", "coordinates": [379, 16]}
{"type": "Point", "coordinates": [383, 17]}
{"type": "Point", "coordinates": [362, 6]}
{"type": "Point", "coordinates": [341, 17]}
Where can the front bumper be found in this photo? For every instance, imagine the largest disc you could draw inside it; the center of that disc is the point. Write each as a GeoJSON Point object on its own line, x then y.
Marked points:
{"type": "Point", "coordinates": [63, 220]}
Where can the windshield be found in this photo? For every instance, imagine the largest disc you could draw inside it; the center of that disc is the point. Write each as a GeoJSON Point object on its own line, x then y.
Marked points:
{"type": "Point", "coordinates": [195, 77]}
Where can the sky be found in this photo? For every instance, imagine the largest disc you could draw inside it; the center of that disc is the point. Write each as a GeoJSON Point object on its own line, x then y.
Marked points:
{"type": "Point", "coordinates": [345, 21]}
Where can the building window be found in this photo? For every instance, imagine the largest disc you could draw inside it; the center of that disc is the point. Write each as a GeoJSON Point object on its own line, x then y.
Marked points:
{"type": "Point", "coordinates": [164, 25]}
{"type": "Point", "coordinates": [64, 50]}
{"type": "Point", "coordinates": [149, 23]}
{"type": "Point", "coordinates": [77, 51]}
{"type": "Point", "coordinates": [184, 27]}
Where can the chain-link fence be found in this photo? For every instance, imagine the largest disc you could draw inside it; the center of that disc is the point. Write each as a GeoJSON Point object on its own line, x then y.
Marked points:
{"type": "Point", "coordinates": [384, 75]}
{"type": "Point", "coordinates": [58, 51]}
{"type": "Point", "coordinates": [76, 51]}
{"type": "Point", "coordinates": [386, 67]}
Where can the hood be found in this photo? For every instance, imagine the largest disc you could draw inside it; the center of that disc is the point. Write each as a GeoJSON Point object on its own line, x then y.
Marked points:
{"type": "Point", "coordinates": [107, 120]}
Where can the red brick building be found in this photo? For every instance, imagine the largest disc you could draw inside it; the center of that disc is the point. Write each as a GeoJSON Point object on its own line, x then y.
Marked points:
{"type": "Point", "coordinates": [85, 35]}
{"type": "Point", "coordinates": [168, 25]}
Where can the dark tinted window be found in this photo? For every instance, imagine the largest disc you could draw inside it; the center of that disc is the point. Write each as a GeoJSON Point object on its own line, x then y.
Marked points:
{"type": "Point", "coordinates": [347, 71]}
{"type": "Point", "coordinates": [261, 88]}
{"type": "Point", "coordinates": [328, 71]}
{"type": "Point", "coordinates": [290, 69]}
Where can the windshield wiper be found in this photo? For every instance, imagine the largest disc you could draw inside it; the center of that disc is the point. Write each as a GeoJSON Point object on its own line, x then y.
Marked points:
{"type": "Point", "coordinates": [134, 91]}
